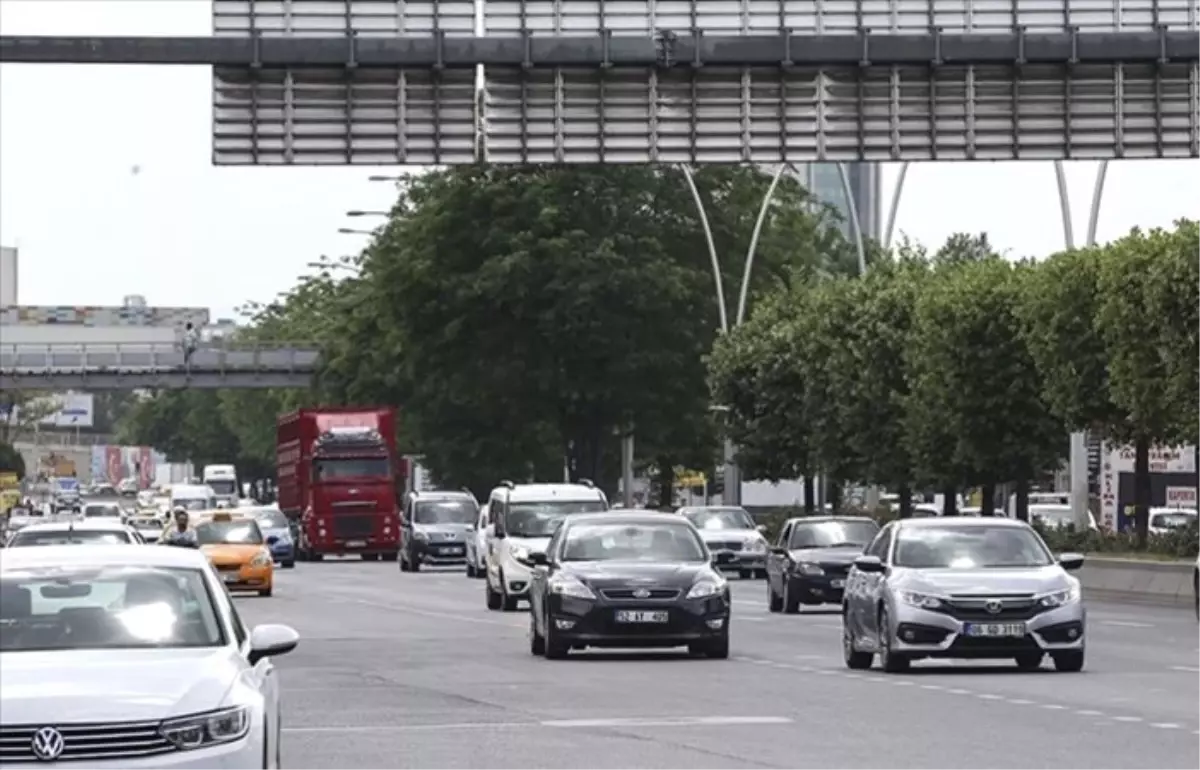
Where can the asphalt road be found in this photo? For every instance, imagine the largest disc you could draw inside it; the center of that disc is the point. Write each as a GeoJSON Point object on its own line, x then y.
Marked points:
{"type": "Point", "coordinates": [403, 670]}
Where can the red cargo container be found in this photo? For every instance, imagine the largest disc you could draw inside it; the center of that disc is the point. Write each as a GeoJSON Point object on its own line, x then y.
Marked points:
{"type": "Point", "coordinates": [339, 478]}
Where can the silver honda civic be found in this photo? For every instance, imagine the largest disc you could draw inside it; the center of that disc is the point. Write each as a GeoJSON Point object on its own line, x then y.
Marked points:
{"type": "Point", "coordinates": [975, 588]}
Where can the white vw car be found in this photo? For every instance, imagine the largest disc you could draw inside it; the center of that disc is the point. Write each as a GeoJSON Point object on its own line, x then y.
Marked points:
{"type": "Point", "coordinates": [125, 656]}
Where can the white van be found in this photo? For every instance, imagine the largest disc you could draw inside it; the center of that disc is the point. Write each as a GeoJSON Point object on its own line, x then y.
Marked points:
{"type": "Point", "coordinates": [222, 479]}
{"type": "Point", "coordinates": [193, 497]}
{"type": "Point", "coordinates": [523, 517]}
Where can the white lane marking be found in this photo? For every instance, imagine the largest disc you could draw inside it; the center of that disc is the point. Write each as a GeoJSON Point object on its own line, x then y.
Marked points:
{"type": "Point", "coordinates": [1089, 713]}
{"type": "Point", "coordinates": [958, 691]}
{"type": "Point", "coordinates": [833, 626]}
{"type": "Point", "coordinates": [666, 722]}
{"type": "Point", "coordinates": [1165, 725]}
{"type": "Point", "coordinates": [1127, 623]}
{"type": "Point", "coordinates": [410, 727]}
{"type": "Point", "coordinates": [433, 614]}
{"type": "Point", "coordinates": [988, 696]}
{"type": "Point", "coordinates": [1127, 719]}
{"type": "Point", "coordinates": [744, 619]}
{"type": "Point", "coordinates": [1187, 669]}
{"type": "Point", "coordinates": [932, 687]}
{"type": "Point", "coordinates": [1053, 706]}
{"type": "Point", "coordinates": [1020, 702]}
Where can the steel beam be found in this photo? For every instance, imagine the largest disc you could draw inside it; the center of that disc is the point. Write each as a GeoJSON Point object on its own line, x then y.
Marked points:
{"type": "Point", "coordinates": [174, 379]}
{"type": "Point", "coordinates": [782, 49]}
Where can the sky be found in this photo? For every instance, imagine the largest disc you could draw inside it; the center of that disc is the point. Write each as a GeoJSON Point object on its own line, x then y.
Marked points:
{"type": "Point", "coordinates": [107, 187]}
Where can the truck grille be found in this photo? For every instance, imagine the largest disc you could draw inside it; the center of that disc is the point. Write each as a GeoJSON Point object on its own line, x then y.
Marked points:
{"type": "Point", "coordinates": [835, 569]}
{"type": "Point", "coordinates": [725, 545]}
{"type": "Point", "coordinates": [352, 525]}
{"type": "Point", "coordinates": [628, 593]}
{"type": "Point", "coordinates": [125, 740]}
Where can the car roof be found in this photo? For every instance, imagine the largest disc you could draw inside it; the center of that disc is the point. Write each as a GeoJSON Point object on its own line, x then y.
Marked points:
{"type": "Point", "coordinates": [626, 516]}
{"type": "Point", "coordinates": [85, 525]}
{"type": "Point", "coordinates": [831, 517]}
{"type": "Point", "coordinates": [964, 521]}
{"type": "Point", "coordinates": [444, 494]}
{"type": "Point", "coordinates": [102, 503]}
{"type": "Point", "coordinates": [539, 492]}
{"type": "Point", "coordinates": [714, 508]}
{"type": "Point", "coordinates": [16, 559]}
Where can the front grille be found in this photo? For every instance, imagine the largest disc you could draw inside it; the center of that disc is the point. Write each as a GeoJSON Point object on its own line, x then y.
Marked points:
{"type": "Point", "coordinates": [965, 645]}
{"type": "Point", "coordinates": [349, 525]}
{"type": "Point", "coordinates": [1011, 608]}
{"type": "Point", "coordinates": [725, 545]}
{"type": "Point", "coordinates": [660, 594]}
{"type": "Point", "coordinates": [835, 569]}
{"type": "Point", "coordinates": [127, 740]}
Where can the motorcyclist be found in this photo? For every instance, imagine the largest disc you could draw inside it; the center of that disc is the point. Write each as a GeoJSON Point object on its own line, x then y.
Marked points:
{"type": "Point", "coordinates": [179, 530]}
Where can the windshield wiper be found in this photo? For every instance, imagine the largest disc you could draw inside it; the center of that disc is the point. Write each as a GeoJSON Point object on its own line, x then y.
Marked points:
{"type": "Point", "coordinates": [842, 545]}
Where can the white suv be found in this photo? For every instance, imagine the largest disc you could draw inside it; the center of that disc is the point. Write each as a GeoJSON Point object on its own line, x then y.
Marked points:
{"type": "Point", "coordinates": [523, 517]}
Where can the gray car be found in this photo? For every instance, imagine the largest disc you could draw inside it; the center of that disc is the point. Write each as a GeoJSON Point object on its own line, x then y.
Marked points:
{"type": "Point", "coordinates": [731, 529]}
{"type": "Point", "coordinates": [985, 588]}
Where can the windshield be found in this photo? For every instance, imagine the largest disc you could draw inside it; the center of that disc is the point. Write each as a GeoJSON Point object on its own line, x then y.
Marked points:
{"type": "Point", "coordinates": [720, 518]}
{"type": "Point", "coordinates": [195, 504]}
{"type": "Point", "coordinates": [1052, 515]}
{"type": "Point", "coordinates": [355, 468]}
{"type": "Point", "coordinates": [633, 542]}
{"type": "Point", "coordinates": [147, 522]}
{"type": "Point", "coordinates": [970, 547]}
{"type": "Point", "coordinates": [446, 512]}
{"type": "Point", "coordinates": [272, 520]}
{"type": "Point", "coordinates": [87, 608]}
{"type": "Point", "coordinates": [223, 487]}
{"type": "Point", "coordinates": [90, 511]}
{"type": "Point", "coordinates": [541, 519]}
{"type": "Point", "coordinates": [69, 537]}
{"type": "Point", "coordinates": [1173, 520]}
{"type": "Point", "coordinates": [67, 485]}
{"type": "Point", "coordinates": [826, 534]}
{"type": "Point", "coordinates": [237, 532]}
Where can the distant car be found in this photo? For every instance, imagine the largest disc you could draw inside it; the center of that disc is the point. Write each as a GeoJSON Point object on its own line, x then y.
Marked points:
{"type": "Point", "coordinates": [102, 511]}
{"type": "Point", "coordinates": [132, 658]}
{"type": "Point", "coordinates": [477, 544]}
{"type": "Point", "coordinates": [627, 579]}
{"type": "Point", "coordinates": [811, 559]}
{"type": "Point", "coordinates": [730, 528]}
{"type": "Point", "coordinates": [237, 549]}
{"type": "Point", "coordinates": [278, 533]}
{"type": "Point", "coordinates": [66, 494]}
{"type": "Point", "coordinates": [128, 487]}
{"type": "Point", "coordinates": [87, 532]}
{"type": "Point", "coordinates": [962, 588]}
{"type": "Point", "coordinates": [1057, 516]}
{"type": "Point", "coordinates": [1166, 520]}
{"type": "Point", "coordinates": [435, 528]}
{"type": "Point", "coordinates": [148, 525]}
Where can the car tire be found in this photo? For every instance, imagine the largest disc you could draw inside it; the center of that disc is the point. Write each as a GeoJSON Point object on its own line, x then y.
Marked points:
{"type": "Point", "coordinates": [555, 649]}
{"type": "Point", "coordinates": [774, 600]}
{"type": "Point", "coordinates": [312, 556]}
{"type": "Point", "coordinates": [404, 561]}
{"type": "Point", "coordinates": [266, 591]}
{"type": "Point", "coordinates": [370, 557]}
{"type": "Point", "coordinates": [745, 574]}
{"type": "Point", "coordinates": [890, 662]}
{"type": "Point", "coordinates": [470, 569]}
{"type": "Point", "coordinates": [289, 564]}
{"type": "Point", "coordinates": [1070, 661]}
{"type": "Point", "coordinates": [855, 659]}
{"type": "Point", "coordinates": [537, 642]}
{"type": "Point", "coordinates": [390, 555]}
{"type": "Point", "coordinates": [791, 602]}
{"type": "Point", "coordinates": [718, 649]}
{"type": "Point", "coordinates": [414, 563]}
{"type": "Point", "coordinates": [494, 599]}
{"type": "Point", "coordinates": [760, 574]}
{"type": "Point", "coordinates": [509, 602]}
{"type": "Point", "coordinates": [1029, 661]}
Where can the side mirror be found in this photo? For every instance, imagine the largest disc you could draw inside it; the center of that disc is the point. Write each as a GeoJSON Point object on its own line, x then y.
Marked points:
{"type": "Point", "coordinates": [271, 639]}
{"type": "Point", "coordinates": [778, 550]}
{"type": "Point", "coordinates": [1070, 561]}
{"type": "Point", "coordinates": [866, 563]}
{"type": "Point", "coordinates": [723, 557]}
{"type": "Point", "coordinates": [272, 539]}
{"type": "Point", "coordinates": [762, 528]}
{"type": "Point", "coordinates": [536, 559]}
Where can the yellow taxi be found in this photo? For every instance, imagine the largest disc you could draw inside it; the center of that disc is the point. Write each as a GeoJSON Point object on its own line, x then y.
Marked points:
{"type": "Point", "coordinates": [235, 546]}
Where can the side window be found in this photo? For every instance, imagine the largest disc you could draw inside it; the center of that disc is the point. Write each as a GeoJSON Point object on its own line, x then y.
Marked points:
{"type": "Point", "coordinates": [495, 509]}
{"type": "Point", "coordinates": [881, 544]}
{"type": "Point", "coordinates": [225, 598]}
{"type": "Point", "coordinates": [483, 517]}
{"type": "Point", "coordinates": [784, 534]}
{"type": "Point", "coordinates": [555, 540]}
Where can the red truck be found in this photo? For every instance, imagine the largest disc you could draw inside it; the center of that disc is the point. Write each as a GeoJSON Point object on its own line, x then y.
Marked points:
{"type": "Point", "coordinates": [340, 481]}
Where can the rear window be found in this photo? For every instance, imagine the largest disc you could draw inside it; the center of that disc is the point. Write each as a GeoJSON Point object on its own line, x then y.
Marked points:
{"type": "Point", "coordinates": [69, 537]}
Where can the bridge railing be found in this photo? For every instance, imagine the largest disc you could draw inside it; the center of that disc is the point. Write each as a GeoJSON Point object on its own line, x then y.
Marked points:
{"type": "Point", "coordinates": [217, 356]}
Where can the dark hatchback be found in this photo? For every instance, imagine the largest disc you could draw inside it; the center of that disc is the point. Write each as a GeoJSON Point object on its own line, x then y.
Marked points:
{"type": "Point", "coordinates": [635, 579]}
{"type": "Point", "coordinates": [812, 557]}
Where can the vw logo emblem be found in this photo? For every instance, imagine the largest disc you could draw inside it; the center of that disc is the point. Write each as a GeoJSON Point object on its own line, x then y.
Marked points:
{"type": "Point", "coordinates": [48, 744]}
{"type": "Point", "coordinates": [993, 606]}
{"type": "Point", "coordinates": [641, 593]}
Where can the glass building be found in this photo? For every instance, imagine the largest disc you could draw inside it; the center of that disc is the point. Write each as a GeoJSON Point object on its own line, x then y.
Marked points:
{"type": "Point", "coordinates": [824, 182]}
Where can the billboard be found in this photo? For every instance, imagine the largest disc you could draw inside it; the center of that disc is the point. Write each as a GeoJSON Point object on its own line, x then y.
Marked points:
{"type": "Point", "coordinates": [113, 464]}
{"type": "Point", "coordinates": [61, 410]}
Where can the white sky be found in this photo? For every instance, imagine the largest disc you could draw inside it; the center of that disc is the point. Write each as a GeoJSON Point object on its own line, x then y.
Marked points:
{"type": "Point", "coordinates": [183, 232]}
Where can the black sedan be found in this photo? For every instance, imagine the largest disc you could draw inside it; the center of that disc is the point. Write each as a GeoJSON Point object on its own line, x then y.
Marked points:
{"type": "Point", "coordinates": [809, 562]}
{"type": "Point", "coordinates": [627, 579]}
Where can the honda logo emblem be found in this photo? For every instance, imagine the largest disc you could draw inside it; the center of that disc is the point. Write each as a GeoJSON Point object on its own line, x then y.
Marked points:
{"type": "Point", "coordinates": [641, 593]}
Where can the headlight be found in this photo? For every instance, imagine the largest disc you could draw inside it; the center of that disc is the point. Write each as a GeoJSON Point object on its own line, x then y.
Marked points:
{"type": "Point", "coordinates": [756, 546]}
{"type": "Point", "coordinates": [571, 587]}
{"type": "Point", "coordinates": [263, 559]}
{"type": "Point", "coordinates": [1061, 598]}
{"type": "Point", "coordinates": [518, 552]}
{"type": "Point", "coordinates": [804, 568]}
{"type": "Point", "coordinates": [201, 730]}
{"type": "Point", "coordinates": [705, 588]}
{"type": "Point", "coordinates": [924, 601]}
{"type": "Point", "coordinates": [419, 535]}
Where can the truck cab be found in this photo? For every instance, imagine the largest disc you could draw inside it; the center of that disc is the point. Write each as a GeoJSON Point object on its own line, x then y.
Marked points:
{"type": "Point", "coordinates": [222, 479]}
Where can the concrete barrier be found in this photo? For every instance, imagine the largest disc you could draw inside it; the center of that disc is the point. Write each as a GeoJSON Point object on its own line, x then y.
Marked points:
{"type": "Point", "coordinates": [1133, 580]}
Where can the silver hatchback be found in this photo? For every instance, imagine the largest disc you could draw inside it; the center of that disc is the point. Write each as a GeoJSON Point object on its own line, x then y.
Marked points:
{"type": "Point", "coordinates": [979, 588]}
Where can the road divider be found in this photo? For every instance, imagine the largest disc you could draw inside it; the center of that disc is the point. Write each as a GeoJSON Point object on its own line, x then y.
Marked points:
{"type": "Point", "coordinates": [1167, 583]}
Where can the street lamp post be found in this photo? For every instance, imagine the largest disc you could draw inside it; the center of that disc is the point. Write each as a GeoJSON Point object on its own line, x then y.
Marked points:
{"type": "Point", "coordinates": [359, 213]}
{"type": "Point", "coordinates": [354, 231]}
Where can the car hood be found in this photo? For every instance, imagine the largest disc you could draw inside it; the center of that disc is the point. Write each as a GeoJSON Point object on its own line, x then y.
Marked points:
{"type": "Point", "coordinates": [611, 574]}
{"type": "Point", "coordinates": [444, 531]}
{"type": "Point", "coordinates": [724, 535]}
{"type": "Point", "coordinates": [283, 533]}
{"type": "Point", "coordinates": [229, 554]}
{"type": "Point", "coordinates": [532, 544]}
{"type": "Point", "coordinates": [840, 555]}
{"type": "Point", "coordinates": [945, 582]}
{"type": "Point", "coordinates": [114, 685]}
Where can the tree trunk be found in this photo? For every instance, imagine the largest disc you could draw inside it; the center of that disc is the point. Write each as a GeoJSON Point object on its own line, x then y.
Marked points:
{"type": "Point", "coordinates": [950, 501]}
{"type": "Point", "coordinates": [1141, 490]}
{"type": "Point", "coordinates": [810, 496]}
{"type": "Point", "coordinates": [1023, 500]}
{"type": "Point", "coordinates": [665, 482]}
{"type": "Point", "coordinates": [906, 503]}
{"type": "Point", "coordinates": [835, 495]}
{"type": "Point", "coordinates": [987, 500]}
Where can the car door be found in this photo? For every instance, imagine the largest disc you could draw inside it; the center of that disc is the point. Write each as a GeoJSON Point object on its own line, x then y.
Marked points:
{"type": "Point", "coordinates": [871, 584]}
{"type": "Point", "coordinates": [777, 562]}
{"type": "Point", "coordinates": [539, 578]}
{"type": "Point", "coordinates": [478, 539]}
{"type": "Point", "coordinates": [261, 676]}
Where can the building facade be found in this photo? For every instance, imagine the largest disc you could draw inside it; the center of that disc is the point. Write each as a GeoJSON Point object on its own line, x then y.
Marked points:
{"type": "Point", "coordinates": [825, 183]}
{"type": "Point", "coordinates": [133, 323]}
{"type": "Point", "coordinates": [8, 276]}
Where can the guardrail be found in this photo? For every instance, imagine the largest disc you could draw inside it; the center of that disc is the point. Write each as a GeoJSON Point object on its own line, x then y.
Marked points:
{"type": "Point", "coordinates": [1139, 581]}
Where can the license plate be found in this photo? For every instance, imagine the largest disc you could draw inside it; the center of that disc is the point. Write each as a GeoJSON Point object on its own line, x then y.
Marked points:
{"type": "Point", "coordinates": [995, 630]}
{"type": "Point", "coordinates": [838, 583]}
{"type": "Point", "coordinates": [450, 550]}
{"type": "Point", "coordinates": [231, 577]}
{"type": "Point", "coordinates": [356, 543]}
{"type": "Point", "coordinates": [642, 616]}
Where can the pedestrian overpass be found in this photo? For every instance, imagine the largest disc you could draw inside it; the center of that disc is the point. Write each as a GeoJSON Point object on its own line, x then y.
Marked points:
{"type": "Point", "coordinates": [93, 366]}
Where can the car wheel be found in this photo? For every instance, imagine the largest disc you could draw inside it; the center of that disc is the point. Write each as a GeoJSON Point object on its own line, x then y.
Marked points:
{"type": "Point", "coordinates": [745, 574]}
{"type": "Point", "coordinates": [791, 602]}
{"type": "Point", "coordinates": [509, 602]}
{"type": "Point", "coordinates": [289, 564]}
{"type": "Point", "coordinates": [414, 563]}
{"type": "Point", "coordinates": [1069, 661]}
{"type": "Point", "coordinates": [370, 557]}
{"type": "Point", "coordinates": [774, 600]}
{"type": "Point", "coordinates": [890, 662]}
{"type": "Point", "coordinates": [404, 561]}
{"type": "Point", "coordinates": [390, 555]}
{"type": "Point", "coordinates": [760, 574]}
{"type": "Point", "coordinates": [470, 569]}
{"type": "Point", "coordinates": [314, 556]}
{"type": "Point", "coordinates": [265, 591]}
{"type": "Point", "coordinates": [494, 599]}
{"type": "Point", "coordinates": [1029, 661]}
{"type": "Point", "coordinates": [718, 649]}
{"type": "Point", "coordinates": [555, 649]}
{"type": "Point", "coordinates": [537, 643]}
{"type": "Point", "coordinates": [856, 660]}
